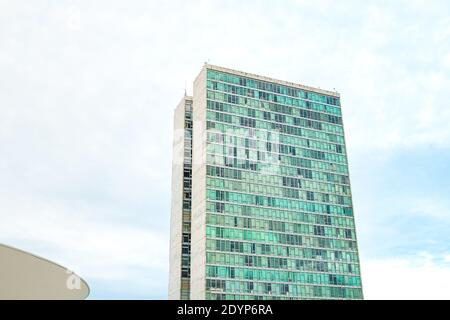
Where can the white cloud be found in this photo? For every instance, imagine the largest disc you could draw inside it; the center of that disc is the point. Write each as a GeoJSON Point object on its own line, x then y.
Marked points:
{"type": "Point", "coordinates": [414, 278]}
{"type": "Point", "coordinates": [428, 206]}
{"type": "Point", "coordinates": [446, 60]}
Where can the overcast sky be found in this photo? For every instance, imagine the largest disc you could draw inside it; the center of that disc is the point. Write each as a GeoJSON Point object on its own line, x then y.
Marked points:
{"type": "Point", "coordinates": [87, 93]}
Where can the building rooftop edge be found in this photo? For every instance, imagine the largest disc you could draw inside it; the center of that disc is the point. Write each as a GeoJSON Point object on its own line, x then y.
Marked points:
{"type": "Point", "coordinates": [268, 79]}
{"type": "Point", "coordinates": [182, 100]}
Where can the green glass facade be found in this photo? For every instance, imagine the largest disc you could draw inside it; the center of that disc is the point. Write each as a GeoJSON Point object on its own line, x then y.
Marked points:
{"type": "Point", "coordinates": [186, 220]}
{"type": "Point", "coordinates": [278, 217]}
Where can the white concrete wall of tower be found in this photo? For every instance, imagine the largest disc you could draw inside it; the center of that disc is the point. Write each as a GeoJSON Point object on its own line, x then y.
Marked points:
{"type": "Point", "coordinates": [176, 217]}
{"type": "Point", "coordinates": [198, 230]}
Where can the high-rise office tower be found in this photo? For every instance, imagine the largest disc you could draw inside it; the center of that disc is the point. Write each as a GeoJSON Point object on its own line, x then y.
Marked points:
{"type": "Point", "coordinates": [272, 214]}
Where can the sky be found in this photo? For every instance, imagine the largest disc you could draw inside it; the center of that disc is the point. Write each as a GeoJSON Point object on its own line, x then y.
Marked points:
{"type": "Point", "coordinates": [87, 93]}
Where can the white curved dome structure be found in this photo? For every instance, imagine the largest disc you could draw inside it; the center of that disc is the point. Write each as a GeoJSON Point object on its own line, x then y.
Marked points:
{"type": "Point", "coordinates": [24, 276]}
